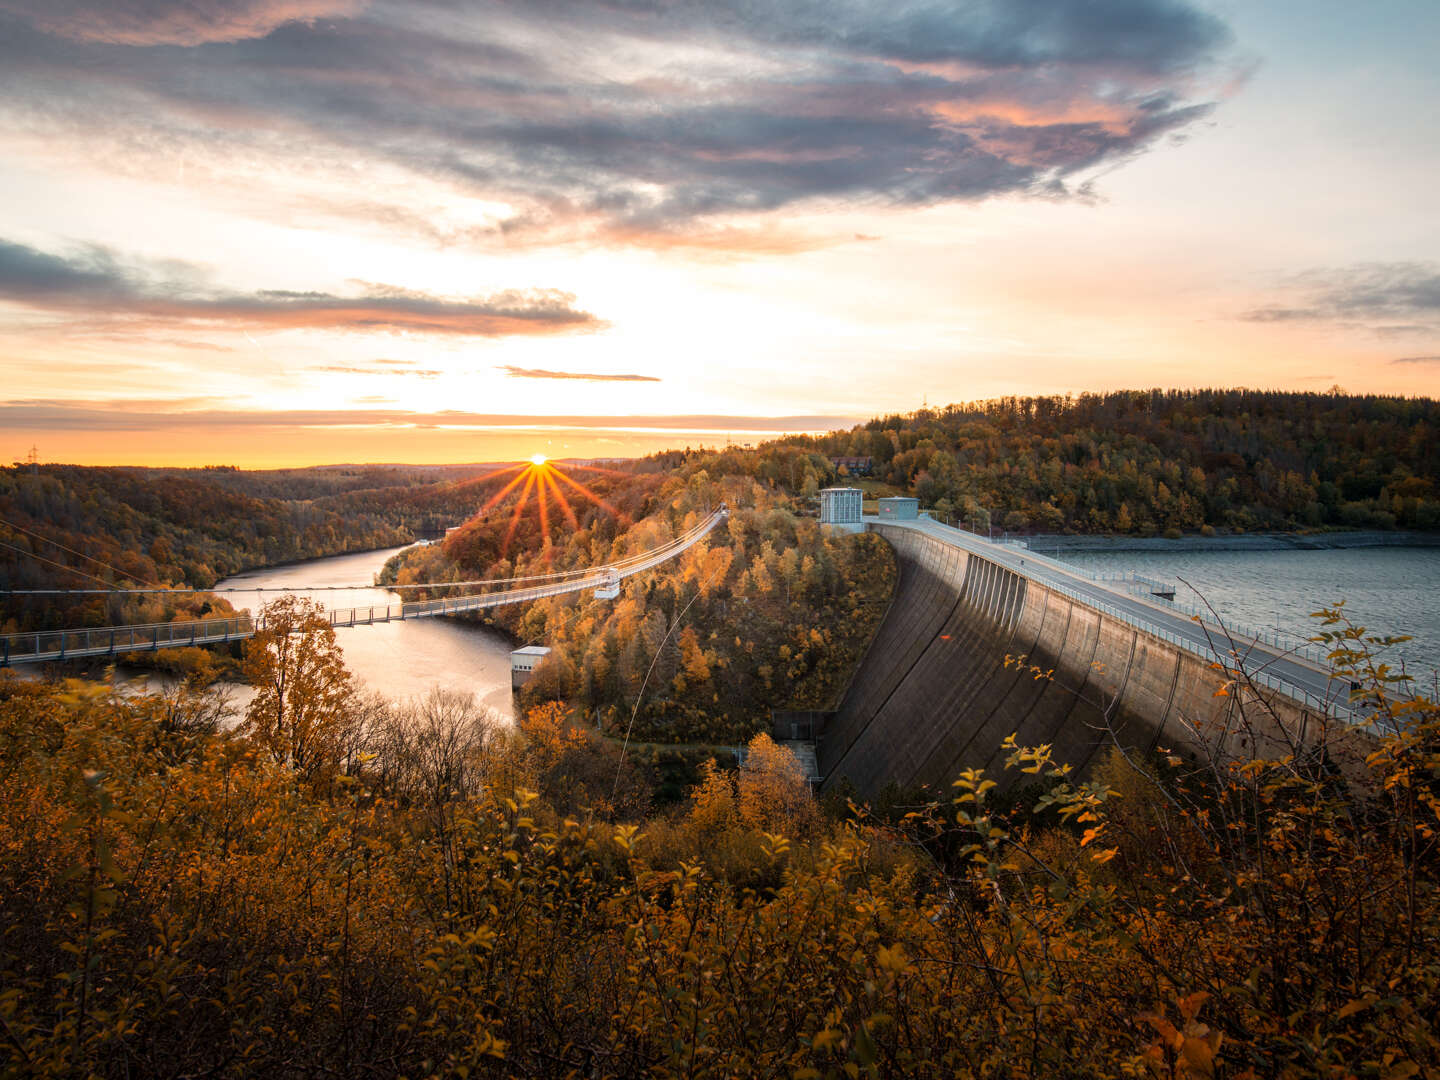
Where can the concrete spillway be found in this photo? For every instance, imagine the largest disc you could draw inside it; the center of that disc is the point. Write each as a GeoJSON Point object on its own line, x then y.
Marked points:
{"type": "Point", "coordinates": [934, 694]}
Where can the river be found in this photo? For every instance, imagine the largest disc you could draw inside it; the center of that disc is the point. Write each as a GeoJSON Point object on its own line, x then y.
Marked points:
{"type": "Point", "coordinates": [1388, 590]}
{"type": "Point", "coordinates": [399, 660]}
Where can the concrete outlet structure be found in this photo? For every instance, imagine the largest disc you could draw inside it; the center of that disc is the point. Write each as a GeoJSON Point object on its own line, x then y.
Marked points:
{"type": "Point", "coordinates": [522, 664]}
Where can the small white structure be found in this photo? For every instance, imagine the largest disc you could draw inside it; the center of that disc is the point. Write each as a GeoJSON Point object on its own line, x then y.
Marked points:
{"type": "Point", "coordinates": [898, 508]}
{"type": "Point", "coordinates": [523, 661]}
{"type": "Point", "coordinates": [840, 506]}
{"type": "Point", "coordinates": [609, 587]}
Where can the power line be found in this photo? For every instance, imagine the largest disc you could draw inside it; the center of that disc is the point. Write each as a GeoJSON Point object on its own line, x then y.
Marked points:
{"type": "Point", "coordinates": [62, 566]}
{"type": "Point", "coordinates": [62, 547]}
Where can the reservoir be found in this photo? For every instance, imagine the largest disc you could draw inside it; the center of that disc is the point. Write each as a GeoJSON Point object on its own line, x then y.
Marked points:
{"type": "Point", "coordinates": [398, 660]}
{"type": "Point", "coordinates": [1388, 590]}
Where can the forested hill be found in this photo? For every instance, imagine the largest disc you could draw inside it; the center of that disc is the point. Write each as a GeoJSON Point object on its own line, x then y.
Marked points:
{"type": "Point", "coordinates": [67, 526]}
{"type": "Point", "coordinates": [1150, 461]}
{"type": "Point", "coordinates": [769, 613]}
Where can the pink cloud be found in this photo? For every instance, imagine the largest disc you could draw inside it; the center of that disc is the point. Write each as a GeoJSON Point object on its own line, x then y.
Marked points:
{"type": "Point", "coordinates": [166, 22]}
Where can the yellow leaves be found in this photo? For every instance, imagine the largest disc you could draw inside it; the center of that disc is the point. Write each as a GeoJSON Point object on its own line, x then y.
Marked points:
{"type": "Point", "coordinates": [1355, 1006]}
{"type": "Point", "coordinates": [828, 1039]}
{"type": "Point", "coordinates": [774, 846]}
{"type": "Point", "coordinates": [1191, 1050]}
{"type": "Point", "coordinates": [892, 959]}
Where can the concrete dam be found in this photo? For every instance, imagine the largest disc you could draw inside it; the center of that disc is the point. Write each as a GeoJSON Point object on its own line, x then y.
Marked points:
{"type": "Point", "coordinates": [934, 696]}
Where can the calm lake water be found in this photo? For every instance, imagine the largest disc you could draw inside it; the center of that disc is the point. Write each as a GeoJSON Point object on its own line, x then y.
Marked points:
{"type": "Point", "coordinates": [398, 659]}
{"type": "Point", "coordinates": [1387, 590]}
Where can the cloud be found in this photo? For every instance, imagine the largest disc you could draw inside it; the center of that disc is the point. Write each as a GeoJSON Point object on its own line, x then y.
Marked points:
{"type": "Point", "coordinates": [541, 373]}
{"type": "Point", "coordinates": [97, 282]}
{"type": "Point", "coordinates": [346, 369]}
{"type": "Point", "coordinates": [612, 120]}
{"type": "Point", "coordinates": [167, 22]}
{"type": "Point", "coordinates": [54, 415]}
{"type": "Point", "coordinates": [1422, 360]}
{"type": "Point", "coordinates": [1280, 314]}
{"type": "Point", "coordinates": [1372, 296]}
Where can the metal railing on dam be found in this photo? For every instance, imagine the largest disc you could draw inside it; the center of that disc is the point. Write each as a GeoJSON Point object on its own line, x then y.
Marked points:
{"type": "Point", "coordinates": [1285, 663]}
{"type": "Point", "coordinates": [1140, 585]}
{"type": "Point", "coordinates": [43, 645]}
{"type": "Point", "coordinates": [985, 641]}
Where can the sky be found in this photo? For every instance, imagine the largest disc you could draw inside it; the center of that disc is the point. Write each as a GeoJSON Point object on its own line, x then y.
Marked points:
{"type": "Point", "coordinates": [288, 232]}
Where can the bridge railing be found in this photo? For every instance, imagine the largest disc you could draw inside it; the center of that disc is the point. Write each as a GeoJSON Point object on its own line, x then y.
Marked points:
{"type": "Point", "coordinates": [59, 644]}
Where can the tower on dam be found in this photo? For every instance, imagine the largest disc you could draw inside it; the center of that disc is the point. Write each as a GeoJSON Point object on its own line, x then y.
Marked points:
{"type": "Point", "coordinates": [841, 507]}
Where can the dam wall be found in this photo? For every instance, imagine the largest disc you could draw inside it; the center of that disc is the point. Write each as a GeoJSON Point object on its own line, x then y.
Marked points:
{"type": "Point", "coordinates": [934, 695]}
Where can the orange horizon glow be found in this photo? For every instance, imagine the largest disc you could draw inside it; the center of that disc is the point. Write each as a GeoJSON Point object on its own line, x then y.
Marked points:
{"type": "Point", "coordinates": [539, 476]}
{"type": "Point", "coordinates": [290, 446]}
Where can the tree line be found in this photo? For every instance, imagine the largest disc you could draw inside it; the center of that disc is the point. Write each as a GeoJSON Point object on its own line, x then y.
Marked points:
{"type": "Point", "coordinates": [1155, 461]}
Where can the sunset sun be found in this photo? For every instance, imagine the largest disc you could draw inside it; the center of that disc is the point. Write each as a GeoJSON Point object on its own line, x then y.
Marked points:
{"type": "Point", "coordinates": [537, 459]}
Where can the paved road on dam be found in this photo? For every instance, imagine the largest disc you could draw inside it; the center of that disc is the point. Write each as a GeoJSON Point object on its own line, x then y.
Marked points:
{"type": "Point", "coordinates": [1205, 638]}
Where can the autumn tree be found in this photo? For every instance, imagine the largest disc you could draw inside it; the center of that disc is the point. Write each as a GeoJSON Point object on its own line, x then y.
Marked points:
{"type": "Point", "coordinates": [774, 791]}
{"type": "Point", "coordinates": [304, 696]}
{"type": "Point", "coordinates": [712, 805]}
{"type": "Point", "coordinates": [441, 747]}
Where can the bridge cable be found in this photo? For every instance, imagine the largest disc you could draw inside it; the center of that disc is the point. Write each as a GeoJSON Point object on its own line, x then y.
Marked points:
{"type": "Point", "coordinates": [658, 555]}
{"type": "Point", "coordinates": [581, 609]}
{"type": "Point", "coordinates": [619, 564]}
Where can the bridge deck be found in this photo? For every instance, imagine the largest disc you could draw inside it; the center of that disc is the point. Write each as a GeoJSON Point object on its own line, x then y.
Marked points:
{"type": "Point", "coordinates": [46, 645]}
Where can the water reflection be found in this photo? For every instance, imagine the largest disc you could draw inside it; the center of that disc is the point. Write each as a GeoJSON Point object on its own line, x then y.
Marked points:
{"type": "Point", "coordinates": [399, 659]}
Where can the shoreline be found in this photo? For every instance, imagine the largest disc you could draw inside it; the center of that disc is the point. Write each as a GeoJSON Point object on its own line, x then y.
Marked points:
{"type": "Point", "coordinates": [1051, 543]}
{"type": "Point", "coordinates": [319, 558]}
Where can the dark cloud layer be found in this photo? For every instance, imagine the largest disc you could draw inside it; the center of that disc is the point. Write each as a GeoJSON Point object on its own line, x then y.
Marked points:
{"type": "Point", "coordinates": [1389, 298]}
{"type": "Point", "coordinates": [643, 120]}
{"type": "Point", "coordinates": [586, 376]}
{"type": "Point", "coordinates": [1422, 360]}
{"type": "Point", "coordinates": [96, 282]}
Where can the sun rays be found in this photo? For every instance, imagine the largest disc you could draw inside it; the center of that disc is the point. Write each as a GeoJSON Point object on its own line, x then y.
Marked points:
{"type": "Point", "coordinates": [542, 478]}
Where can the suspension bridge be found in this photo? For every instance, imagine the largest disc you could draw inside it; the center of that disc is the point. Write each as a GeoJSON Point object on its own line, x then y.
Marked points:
{"type": "Point", "coordinates": [37, 646]}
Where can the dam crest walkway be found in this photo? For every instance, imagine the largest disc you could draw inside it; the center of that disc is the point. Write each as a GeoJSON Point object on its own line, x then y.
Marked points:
{"type": "Point", "coordinates": [985, 640]}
